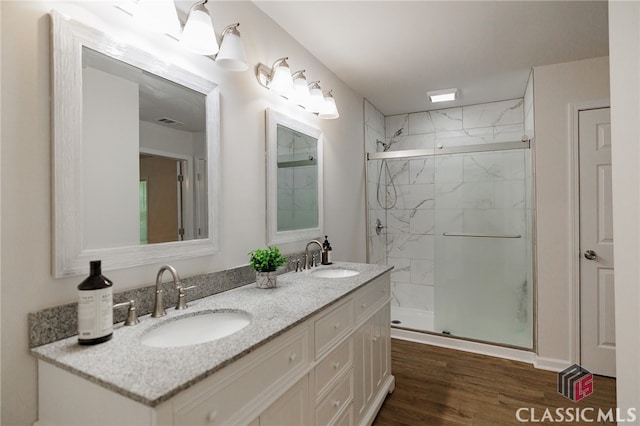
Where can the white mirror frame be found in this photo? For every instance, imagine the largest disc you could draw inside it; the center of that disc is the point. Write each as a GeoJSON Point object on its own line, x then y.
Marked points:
{"type": "Point", "coordinates": [273, 119]}
{"type": "Point", "coordinates": [70, 257]}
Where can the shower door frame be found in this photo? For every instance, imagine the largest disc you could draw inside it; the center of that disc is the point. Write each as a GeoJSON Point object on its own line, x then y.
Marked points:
{"type": "Point", "coordinates": [525, 143]}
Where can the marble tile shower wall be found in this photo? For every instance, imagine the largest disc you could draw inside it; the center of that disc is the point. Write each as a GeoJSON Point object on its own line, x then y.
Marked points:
{"type": "Point", "coordinates": [528, 108]}
{"type": "Point", "coordinates": [377, 194]}
{"type": "Point", "coordinates": [474, 192]}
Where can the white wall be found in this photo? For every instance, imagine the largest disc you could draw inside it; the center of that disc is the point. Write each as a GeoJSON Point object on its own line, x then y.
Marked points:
{"type": "Point", "coordinates": [26, 166]}
{"type": "Point", "coordinates": [174, 141]}
{"type": "Point", "coordinates": [110, 153]}
{"type": "Point", "coordinates": [555, 88]}
{"type": "Point", "coordinates": [624, 50]}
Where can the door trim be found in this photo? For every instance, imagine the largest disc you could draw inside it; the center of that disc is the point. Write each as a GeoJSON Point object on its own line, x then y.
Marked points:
{"type": "Point", "coordinates": [574, 194]}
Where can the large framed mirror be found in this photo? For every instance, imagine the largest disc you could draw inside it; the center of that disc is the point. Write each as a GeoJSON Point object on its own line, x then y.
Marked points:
{"type": "Point", "coordinates": [294, 179]}
{"type": "Point", "coordinates": [135, 154]}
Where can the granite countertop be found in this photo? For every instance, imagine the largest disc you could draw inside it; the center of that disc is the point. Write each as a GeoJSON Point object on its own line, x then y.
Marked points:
{"type": "Point", "coordinates": [153, 375]}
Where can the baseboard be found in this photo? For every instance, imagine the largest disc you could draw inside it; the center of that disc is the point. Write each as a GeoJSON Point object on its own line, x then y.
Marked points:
{"type": "Point", "coordinates": [551, 364]}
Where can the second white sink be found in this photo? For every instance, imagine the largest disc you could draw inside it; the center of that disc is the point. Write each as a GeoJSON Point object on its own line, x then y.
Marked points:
{"type": "Point", "coordinates": [334, 273]}
{"type": "Point", "coordinates": [200, 328]}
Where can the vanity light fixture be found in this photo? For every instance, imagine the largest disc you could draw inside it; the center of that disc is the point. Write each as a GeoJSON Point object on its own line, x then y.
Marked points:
{"type": "Point", "coordinates": [316, 100]}
{"type": "Point", "coordinates": [296, 89]}
{"type": "Point", "coordinates": [329, 109]}
{"type": "Point", "coordinates": [301, 94]}
{"type": "Point", "coordinates": [159, 16]}
{"type": "Point", "coordinates": [232, 56]}
{"type": "Point", "coordinates": [198, 34]}
{"type": "Point", "coordinates": [280, 80]}
{"type": "Point", "coordinates": [443, 95]}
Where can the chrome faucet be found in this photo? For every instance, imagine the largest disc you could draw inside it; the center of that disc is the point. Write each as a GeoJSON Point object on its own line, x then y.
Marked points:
{"type": "Point", "coordinates": [158, 310]}
{"type": "Point", "coordinates": [306, 252]}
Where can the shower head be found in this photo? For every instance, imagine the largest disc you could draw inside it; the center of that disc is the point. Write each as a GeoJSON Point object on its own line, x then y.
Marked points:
{"type": "Point", "coordinates": [398, 132]}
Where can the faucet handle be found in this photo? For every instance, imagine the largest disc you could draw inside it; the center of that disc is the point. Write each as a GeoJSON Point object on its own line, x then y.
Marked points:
{"type": "Point", "coordinates": [132, 317]}
{"type": "Point", "coordinates": [182, 297]}
{"type": "Point", "coordinates": [298, 266]}
{"type": "Point", "coordinates": [314, 261]}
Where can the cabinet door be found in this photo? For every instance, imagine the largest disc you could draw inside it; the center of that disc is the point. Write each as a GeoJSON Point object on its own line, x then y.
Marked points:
{"type": "Point", "coordinates": [291, 409]}
{"type": "Point", "coordinates": [372, 360]}
{"type": "Point", "coordinates": [363, 367]}
{"type": "Point", "coordinates": [380, 346]}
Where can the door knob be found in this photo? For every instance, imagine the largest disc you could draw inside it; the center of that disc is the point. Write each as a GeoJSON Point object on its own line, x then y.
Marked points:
{"type": "Point", "coordinates": [590, 255]}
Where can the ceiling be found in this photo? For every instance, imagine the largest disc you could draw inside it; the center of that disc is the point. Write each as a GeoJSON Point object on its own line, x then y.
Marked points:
{"type": "Point", "coordinates": [393, 52]}
{"type": "Point", "coordinates": [162, 102]}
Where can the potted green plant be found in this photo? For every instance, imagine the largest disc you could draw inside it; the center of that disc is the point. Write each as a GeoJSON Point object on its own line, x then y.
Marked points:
{"type": "Point", "coordinates": [265, 262]}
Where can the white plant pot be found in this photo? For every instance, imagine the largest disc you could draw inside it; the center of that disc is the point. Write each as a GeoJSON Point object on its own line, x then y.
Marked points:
{"type": "Point", "coordinates": [266, 279]}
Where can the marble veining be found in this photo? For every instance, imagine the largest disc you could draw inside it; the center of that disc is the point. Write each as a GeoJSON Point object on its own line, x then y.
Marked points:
{"type": "Point", "coordinates": [493, 114]}
{"type": "Point", "coordinates": [153, 375]}
{"type": "Point", "coordinates": [435, 121]}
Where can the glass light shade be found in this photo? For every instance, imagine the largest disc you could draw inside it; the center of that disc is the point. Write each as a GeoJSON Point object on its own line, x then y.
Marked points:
{"type": "Point", "coordinates": [301, 95]}
{"type": "Point", "coordinates": [281, 80]}
{"type": "Point", "coordinates": [232, 56]}
{"type": "Point", "coordinates": [159, 16]}
{"type": "Point", "coordinates": [198, 35]}
{"type": "Point", "coordinates": [329, 109]}
{"type": "Point", "coordinates": [316, 100]}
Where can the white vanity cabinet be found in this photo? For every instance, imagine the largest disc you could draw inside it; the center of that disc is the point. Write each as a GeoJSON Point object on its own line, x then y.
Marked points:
{"type": "Point", "coordinates": [331, 369]}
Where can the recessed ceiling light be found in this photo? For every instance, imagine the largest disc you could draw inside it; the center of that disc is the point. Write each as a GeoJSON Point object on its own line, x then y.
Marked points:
{"type": "Point", "coordinates": [442, 95]}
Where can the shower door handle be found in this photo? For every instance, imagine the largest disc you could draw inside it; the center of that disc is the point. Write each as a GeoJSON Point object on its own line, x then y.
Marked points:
{"type": "Point", "coordinates": [590, 255]}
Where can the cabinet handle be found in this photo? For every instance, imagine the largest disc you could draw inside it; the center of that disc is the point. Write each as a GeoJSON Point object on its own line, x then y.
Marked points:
{"type": "Point", "coordinates": [363, 306]}
{"type": "Point", "coordinates": [211, 417]}
{"type": "Point", "coordinates": [374, 339]}
{"type": "Point", "coordinates": [292, 357]}
{"type": "Point", "coordinates": [337, 325]}
{"type": "Point", "coordinates": [336, 365]}
{"type": "Point", "coordinates": [336, 403]}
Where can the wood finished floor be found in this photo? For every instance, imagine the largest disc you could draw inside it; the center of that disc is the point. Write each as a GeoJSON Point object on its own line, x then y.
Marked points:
{"type": "Point", "coordinates": [438, 386]}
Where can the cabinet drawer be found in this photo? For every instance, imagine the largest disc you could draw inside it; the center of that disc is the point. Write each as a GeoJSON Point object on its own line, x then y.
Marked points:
{"type": "Point", "coordinates": [346, 418]}
{"type": "Point", "coordinates": [368, 298]}
{"type": "Point", "coordinates": [336, 402]}
{"type": "Point", "coordinates": [331, 327]}
{"type": "Point", "coordinates": [227, 394]}
{"type": "Point", "coordinates": [333, 366]}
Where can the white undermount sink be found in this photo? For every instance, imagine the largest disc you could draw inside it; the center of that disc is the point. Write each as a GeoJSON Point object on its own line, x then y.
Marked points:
{"type": "Point", "coordinates": [334, 273]}
{"type": "Point", "coordinates": [200, 328]}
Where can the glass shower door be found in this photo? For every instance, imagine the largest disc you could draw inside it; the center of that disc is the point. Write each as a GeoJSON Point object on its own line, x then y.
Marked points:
{"type": "Point", "coordinates": [483, 282]}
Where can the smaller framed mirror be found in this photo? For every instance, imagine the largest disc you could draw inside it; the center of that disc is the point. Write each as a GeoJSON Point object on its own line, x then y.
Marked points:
{"type": "Point", "coordinates": [294, 179]}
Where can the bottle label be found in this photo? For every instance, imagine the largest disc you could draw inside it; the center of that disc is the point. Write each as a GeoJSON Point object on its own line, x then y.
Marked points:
{"type": "Point", "coordinates": [95, 313]}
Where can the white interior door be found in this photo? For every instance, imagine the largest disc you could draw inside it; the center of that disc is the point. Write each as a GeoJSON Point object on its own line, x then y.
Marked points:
{"type": "Point", "coordinates": [597, 325]}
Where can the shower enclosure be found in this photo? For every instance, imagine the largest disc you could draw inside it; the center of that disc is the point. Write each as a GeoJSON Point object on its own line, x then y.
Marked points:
{"type": "Point", "coordinates": [456, 224]}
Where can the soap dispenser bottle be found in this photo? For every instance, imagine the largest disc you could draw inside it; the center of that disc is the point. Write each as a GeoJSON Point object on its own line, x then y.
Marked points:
{"type": "Point", "coordinates": [95, 307]}
{"type": "Point", "coordinates": [326, 252]}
